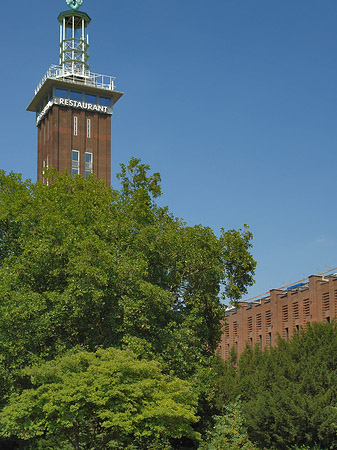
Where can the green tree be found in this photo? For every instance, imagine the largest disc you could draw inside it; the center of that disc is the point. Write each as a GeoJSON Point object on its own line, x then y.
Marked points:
{"type": "Point", "coordinates": [86, 265]}
{"type": "Point", "coordinates": [83, 264]}
{"type": "Point", "coordinates": [289, 393]}
{"type": "Point", "coordinates": [228, 432]}
{"type": "Point", "coordinates": [106, 399]}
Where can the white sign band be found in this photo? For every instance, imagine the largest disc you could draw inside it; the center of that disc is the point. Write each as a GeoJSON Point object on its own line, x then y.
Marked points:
{"type": "Point", "coordinates": [73, 104]}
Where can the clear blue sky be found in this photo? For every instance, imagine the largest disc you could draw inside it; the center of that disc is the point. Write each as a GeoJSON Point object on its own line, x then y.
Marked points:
{"type": "Point", "coordinates": [232, 101]}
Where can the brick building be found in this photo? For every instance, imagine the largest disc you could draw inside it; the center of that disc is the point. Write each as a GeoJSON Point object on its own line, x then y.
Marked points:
{"type": "Point", "coordinates": [282, 312]}
{"type": "Point", "coordinates": [73, 106]}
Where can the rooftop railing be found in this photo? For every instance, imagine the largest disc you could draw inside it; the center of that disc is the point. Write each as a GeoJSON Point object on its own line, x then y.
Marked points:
{"type": "Point", "coordinates": [79, 76]}
{"type": "Point", "coordinates": [297, 285]}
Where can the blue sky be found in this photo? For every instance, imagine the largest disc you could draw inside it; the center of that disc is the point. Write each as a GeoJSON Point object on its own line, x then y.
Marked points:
{"type": "Point", "coordinates": [232, 101]}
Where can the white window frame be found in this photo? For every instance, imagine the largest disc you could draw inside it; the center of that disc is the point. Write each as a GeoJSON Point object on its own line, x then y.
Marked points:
{"type": "Point", "coordinates": [75, 165]}
{"type": "Point", "coordinates": [88, 166]}
{"type": "Point", "coordinates": [75, 125]}
{"type": "Point", "coordinates": [89, 128]}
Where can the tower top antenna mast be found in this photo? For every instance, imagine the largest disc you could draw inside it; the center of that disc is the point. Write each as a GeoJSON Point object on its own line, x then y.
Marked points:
{"type": "Point", "coordinates": [74, 40]}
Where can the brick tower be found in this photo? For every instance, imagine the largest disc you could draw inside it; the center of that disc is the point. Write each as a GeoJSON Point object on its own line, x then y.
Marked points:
{"type": "Point", "coordinates": [73, 106]}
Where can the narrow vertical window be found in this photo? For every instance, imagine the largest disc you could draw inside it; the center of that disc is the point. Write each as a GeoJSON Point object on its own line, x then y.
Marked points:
{"type": "Point", "coordinates": [287, 334]}
{"type": "Point", "coordinates": [88, 164]}
{"type": "Point", "coordinates": [75, 162]}
{"type": "Point", "coordinates": [75, 125]}
{"type": "Point", "coordinates": [47, 166]}
{"type": "Point", "coordinates": [88, 128]}
{"type": "Point", "coordinates": [43, 171]}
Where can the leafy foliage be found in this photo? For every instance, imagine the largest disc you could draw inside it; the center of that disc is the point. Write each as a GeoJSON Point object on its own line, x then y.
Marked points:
{"type": "Point", "coordinates": [229, 432]}
{"type": "Point", "coordinates": [305, 447]}
{"type": "Point", "coordinates": [289, 394]}
{"type": "Point", "coordinates": [107, 399]}
{"type": "Point", "coordinates": [85, 266]}
{"type": "Point", "coordinates": [81, 264]}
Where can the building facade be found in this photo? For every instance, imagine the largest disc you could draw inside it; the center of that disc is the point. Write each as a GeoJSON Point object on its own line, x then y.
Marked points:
{"type": "Point", "coordinates": [73, 106]}
{"type": "Point", "coordinates": [282, 313]}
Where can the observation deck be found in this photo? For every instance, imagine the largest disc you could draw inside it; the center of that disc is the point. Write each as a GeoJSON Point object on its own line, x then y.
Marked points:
{"type": "Point", "coordinates": [78, 76]}
{"type": "Point", "coordinates": [73, 77]}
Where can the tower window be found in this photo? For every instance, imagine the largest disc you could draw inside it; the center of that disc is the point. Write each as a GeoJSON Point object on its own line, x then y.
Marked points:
{"type": "Point", "coordinates": [105, 101]}
{"type": "Point", "coordinates": [88, 128]}
{"type": "Point", "coordinates": [88, 164]}
{"type": "Point", "coordinates": [61, 93]}
{"type": "Point", "coordinates": [75, 162]}
{"type": "Point", "coordinates": [76, 96]}
{"type": "Point", "coordinates": [45, 166]}
{"type": "Point", "coordinates": [90, 98]}
{"type": "Point", "coordinates": [75, 125]}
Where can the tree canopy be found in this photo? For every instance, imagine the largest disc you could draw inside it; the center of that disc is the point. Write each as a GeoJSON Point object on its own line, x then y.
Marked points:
{"type": "Point", "coordinates": [87, 266]}
{"type": "Point", "coordinates": [82, 264]}
{"type": "Point", "coordinates": [288, 393]}
{"type": "Point", "coordinates": [229, 432]}
{"type": "Point", "coordinates": [107, 399]}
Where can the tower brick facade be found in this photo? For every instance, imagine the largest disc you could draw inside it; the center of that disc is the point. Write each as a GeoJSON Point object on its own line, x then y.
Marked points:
{"type": "Point", "coordinates": [57, 139]}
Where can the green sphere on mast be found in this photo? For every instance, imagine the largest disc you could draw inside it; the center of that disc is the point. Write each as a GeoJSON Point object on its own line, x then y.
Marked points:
{"type": "Point", "coordinates": [74, 4]}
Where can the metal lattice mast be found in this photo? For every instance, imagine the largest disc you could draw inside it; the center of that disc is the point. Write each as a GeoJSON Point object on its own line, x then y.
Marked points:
{"type": "Point", "coordinates": [74, 40]}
